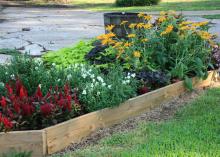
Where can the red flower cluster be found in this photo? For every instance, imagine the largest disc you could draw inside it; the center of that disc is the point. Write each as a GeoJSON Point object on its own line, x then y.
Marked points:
{"type": "Point", "coordinates": [20, 108]}
{"type": "Point", "coordinates": [7, 124]}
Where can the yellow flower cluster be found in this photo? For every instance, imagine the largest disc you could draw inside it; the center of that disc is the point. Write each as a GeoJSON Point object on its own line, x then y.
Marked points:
{"type": "Point", "coordinates": [107, 38]}
{"type": "Point", "coordinates": [168, 30]}
{"type": "Point", "coordinates": [205, 35]}
{"type": "Point", "coordinates": [137, 54]}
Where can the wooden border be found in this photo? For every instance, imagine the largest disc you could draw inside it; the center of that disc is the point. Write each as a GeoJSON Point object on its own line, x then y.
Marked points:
{"type": "Point", "coordinates": [55, 138]}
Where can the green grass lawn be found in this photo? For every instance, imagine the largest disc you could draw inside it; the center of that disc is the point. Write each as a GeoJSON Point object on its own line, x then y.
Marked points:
{"type": "Point", "coordinates": [193, 132]}
{"type": "Point", "coordinates": [217, 16]}
{"type": "Point", "coordinates": [108, 5]}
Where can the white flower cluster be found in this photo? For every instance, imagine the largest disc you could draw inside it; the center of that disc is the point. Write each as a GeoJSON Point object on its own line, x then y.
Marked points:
{"type": "Point", "coordinates": [127, 79]}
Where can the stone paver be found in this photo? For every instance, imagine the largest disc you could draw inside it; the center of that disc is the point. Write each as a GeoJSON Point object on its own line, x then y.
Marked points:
{"type": "Point", "coordinates": [37, 30]}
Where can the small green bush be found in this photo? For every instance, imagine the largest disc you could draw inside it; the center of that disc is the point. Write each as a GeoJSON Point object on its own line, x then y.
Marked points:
{"type": "Point", "coordinates": [128, 3]}
{"type": "Point", "coordinates": [69, 55]}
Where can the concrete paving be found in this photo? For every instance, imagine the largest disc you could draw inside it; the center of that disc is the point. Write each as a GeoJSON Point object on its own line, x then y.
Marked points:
{"type": "Point", "coordinates": [37, 30]}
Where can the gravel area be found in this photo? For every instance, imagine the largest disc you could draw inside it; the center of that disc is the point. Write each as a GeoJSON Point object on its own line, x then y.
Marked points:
{"type": "Point", "coordinates": [162, 113]}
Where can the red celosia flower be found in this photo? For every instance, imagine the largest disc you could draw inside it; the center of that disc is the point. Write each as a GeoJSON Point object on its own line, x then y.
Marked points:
{"type": "Point", "coordinates": [9, 89]}
{"type": "Point", "coordinates": [27, 109]}
{"type": "Point", "coordinates": [39, 94]}
{"type": "Point", "coordinates": [17, 107]}
{"type": "Point", "coordinates": [46, 109]}
{"type": "Point", "coordinates": [18, 86]}
{"type": "Point", "coordinates": [3, 102]}
{"type": "Point", "coordinates": [7, 123]}
{"type": "Point", "coordinates": [66, 89]}
{"type": "Point", "coordinates": [23, 92]}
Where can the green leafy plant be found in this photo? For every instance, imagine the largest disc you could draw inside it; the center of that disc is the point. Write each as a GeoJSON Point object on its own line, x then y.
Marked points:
{"type": "Point", "coordinates": [70, 55]}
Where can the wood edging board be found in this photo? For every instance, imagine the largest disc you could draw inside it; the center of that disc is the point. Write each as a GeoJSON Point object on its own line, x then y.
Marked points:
{"type": "Point", "coordinates": [57, 137]}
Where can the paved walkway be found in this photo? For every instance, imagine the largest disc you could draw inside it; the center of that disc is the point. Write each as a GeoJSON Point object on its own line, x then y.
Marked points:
{"type": "Point", "coordinates": [37, 30]}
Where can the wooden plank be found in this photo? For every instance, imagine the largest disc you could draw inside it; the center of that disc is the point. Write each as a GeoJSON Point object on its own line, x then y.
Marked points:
{"type": "Point", "coordinates": [61, 135]}
{"type": "Point", "coordinates": [34, 141]}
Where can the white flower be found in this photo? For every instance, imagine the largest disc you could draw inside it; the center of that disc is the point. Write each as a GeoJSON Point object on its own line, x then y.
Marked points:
{"type": "Point", "coordinates": [127, 81]}
{"type": "Point", "coordinates": [128, 77]}
{"type": "Point", "coordinates": [92, 85]}
{"type": "Point", "coordinates": [6, 73]}
{"type": "Point", "coordinates": [124, 82]}
{"type": "Point", "coordinates": [84, 75]}
{"type": "Point", "coordinates": [12, 76]}
{"type": "Point", "coordinates": [93, 80]}
{"type": "Point", "coordinates": [129, 74]}
{"type": "Point", "coordinates": [92, 76]}
{"type": "Point", "coordinates": [100, 79]}
{"type": "Point", "coordinates": [109, 86]}
{"type": "Point", "coordinates": [84, 92]}
{"type": "Point", "coordinates": [103, 84]}
{"type": "Point", "coordinates": [39, 85]}
{"type": "Point", "coordinates": [54, 64]}
{"type": "Point", "coordinates": [69, 77]}
{"type": "Point", "coordinates": [133, 75]}
{"type": "Point", "coordinates": [98, 93]}
{"type": "Point", "coordinates": [59, 80]}
{"type": "Point", "coordinates": [36, 68]}
{"type": "Point", "coordinates": [2, 84]}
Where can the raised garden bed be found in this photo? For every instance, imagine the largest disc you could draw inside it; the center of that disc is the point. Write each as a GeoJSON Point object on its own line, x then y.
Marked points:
{"type": "Point", "coordinates": [55, 138]}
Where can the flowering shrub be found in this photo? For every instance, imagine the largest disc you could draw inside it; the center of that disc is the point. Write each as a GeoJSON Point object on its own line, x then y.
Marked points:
{"type": "Point", "coordinates": [34, 97]}
{"type": "Point", "coordinates": [97, 90]}
{"type": "Point", "coordinates": [18, 110]}
{"type": "Point", "coordinates": [171, 44]}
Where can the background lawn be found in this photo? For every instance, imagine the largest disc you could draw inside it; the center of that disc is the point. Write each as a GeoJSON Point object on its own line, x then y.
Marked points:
{"type": "Point", "coordinates": [108, 5]}
{"type": "Point", "coordinates": [194, 132]}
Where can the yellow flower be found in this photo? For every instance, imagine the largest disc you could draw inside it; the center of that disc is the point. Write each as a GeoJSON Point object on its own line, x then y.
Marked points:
{"type": "Point", "coordinates": [141, 14]}
{"type": "Point", "coordinates": [137, 54]}
{"type": "Point", "coordinates": [161, 19]}
{"type": "Point", "coordinates": [118, 44]}
{"type": "Point", "coordinates": [131, 35]}
{"type": "Point", "coordinates": [110, 28]}
{"type": "Point", "coordinates": [107, 38]}
{"type": "Point", "coordinates": [199, 24]}
{"type": "Point", "coordinates": [123, 22]}
{"type": "Point", "coordinates": [205, 35]}
{"type": "Point", "coordinates": [110, 35]}
{"type": "Point", "coordinates": [185, 28]}
{"type": "Point", "coordinates": [140, 25]}
{"type": "Point", "coordinates": [148, 17]}
{"type": "Point", "coordinates": [132, 25]}
{"type": "Point", "coordinates": [148, 26]}
{"type": "Point", "coordinates": [185, 23]}
{"type": "Point", "coordinates": [167, 31]}
{"type": "Point", "coordinates": [127, 44]}
{"type": "Point", "coordinates": [162, 13]}
{"type": "Point", "coordinates": [108, 41]}
{"type": "Point", "coordinates": [145, 40]}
